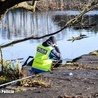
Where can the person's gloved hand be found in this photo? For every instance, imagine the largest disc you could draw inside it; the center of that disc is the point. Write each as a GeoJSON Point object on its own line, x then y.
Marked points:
{"type": "Point", "coordinates": [54, 45]}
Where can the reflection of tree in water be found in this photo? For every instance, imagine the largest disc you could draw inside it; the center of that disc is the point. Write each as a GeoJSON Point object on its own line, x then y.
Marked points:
{"type": "Point", "coordinates": [95, 19]}
{"type": "Point", "coordinates": [88, 22]}
{"type": "Point", "coordinates": [20, 24]}
{"type": "Point", "coordinates": [16, 24]}
{"type": "Point", "coordinates": [60, 20]}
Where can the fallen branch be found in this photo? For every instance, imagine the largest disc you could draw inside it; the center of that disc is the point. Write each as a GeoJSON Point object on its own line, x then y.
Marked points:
{"type": "Point", "coordinates": [15, 81]}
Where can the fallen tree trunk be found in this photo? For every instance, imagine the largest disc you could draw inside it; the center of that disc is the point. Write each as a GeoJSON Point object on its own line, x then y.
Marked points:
{"type": "Point", "coordinates": [10, 4]}
{"type": "Point", "coordinates": [26, 6]}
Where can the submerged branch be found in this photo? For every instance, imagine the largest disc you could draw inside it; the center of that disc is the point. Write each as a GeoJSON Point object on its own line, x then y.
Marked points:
{"type": "Point", "coordinates": [69, 23]}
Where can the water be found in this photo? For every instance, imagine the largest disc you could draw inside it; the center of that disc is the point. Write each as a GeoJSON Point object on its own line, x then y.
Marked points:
{"type": "Point", "coordinates": [19, 24]}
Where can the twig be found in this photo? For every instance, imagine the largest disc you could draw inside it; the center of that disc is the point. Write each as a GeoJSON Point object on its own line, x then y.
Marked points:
{"type": "Point", "coordinates": [15, 81]}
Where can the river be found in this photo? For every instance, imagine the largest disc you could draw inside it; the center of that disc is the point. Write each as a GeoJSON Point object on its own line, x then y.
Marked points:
{"type": "Point", "coordinates": [20, 23]}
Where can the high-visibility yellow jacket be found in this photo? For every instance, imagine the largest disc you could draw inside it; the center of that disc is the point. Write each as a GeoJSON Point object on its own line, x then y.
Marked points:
{"type": "Point", "coordinates": [41, 60]}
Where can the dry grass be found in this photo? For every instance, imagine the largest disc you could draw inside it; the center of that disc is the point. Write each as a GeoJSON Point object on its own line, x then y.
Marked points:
{"type": "Point", "coordinates": [37, 81]}
{"type": "Point", "coordinates": [10, 72]}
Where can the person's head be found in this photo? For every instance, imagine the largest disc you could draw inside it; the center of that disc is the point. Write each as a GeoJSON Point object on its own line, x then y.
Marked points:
{"type": "Point", "coordinates": [52, 40]}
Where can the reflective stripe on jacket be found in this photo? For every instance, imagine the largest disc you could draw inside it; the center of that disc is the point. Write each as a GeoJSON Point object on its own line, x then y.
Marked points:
{"type": "Point", "coordinates": [42, 60]}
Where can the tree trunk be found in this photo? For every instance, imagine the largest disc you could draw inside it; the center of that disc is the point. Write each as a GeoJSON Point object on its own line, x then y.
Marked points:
{"type": "Point", "coordinates": [6, 5]}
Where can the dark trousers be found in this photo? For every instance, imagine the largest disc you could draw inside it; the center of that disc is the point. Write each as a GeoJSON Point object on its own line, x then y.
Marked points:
{"type": "Point", "coordinates": [56, 63]}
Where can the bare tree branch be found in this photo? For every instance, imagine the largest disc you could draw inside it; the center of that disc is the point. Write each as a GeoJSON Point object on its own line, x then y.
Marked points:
{"type": "Point", "coordinates": [69, 23]}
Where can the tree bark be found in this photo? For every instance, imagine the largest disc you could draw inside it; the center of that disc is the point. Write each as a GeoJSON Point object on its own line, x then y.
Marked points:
{"type": "Point", "coordinates": [7, 4]}
{"type": "Point", "coordinates": [26, 6]}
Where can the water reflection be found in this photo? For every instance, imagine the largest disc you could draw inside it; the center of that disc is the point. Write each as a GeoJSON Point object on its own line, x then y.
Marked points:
{"type": "Point", "coordinates": [21, 23]}
{"type": "Point", "coordinates": [17, 24]}
{"type": "Point", "coordinates": [89, 22]}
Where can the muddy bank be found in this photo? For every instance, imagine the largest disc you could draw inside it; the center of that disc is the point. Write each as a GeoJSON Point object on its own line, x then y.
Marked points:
{"type": "Point", "coordinates": [81, 83]}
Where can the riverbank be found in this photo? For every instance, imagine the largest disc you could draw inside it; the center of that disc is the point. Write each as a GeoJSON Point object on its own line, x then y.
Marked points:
{"type": "Point", "coordinates": [53, 5]}
{"type": "Point", "coordinates": [44, 5]}
{"type": "Point", "coordinates": [72, 80]}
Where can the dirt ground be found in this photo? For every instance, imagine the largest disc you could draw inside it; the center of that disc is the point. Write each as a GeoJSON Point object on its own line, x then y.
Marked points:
{"type": "Point", "coordinates": [72, 80]}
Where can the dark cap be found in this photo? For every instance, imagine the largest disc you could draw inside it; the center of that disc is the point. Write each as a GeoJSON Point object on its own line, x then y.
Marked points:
{"type": "Point", "coordinates": [52, 39]}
